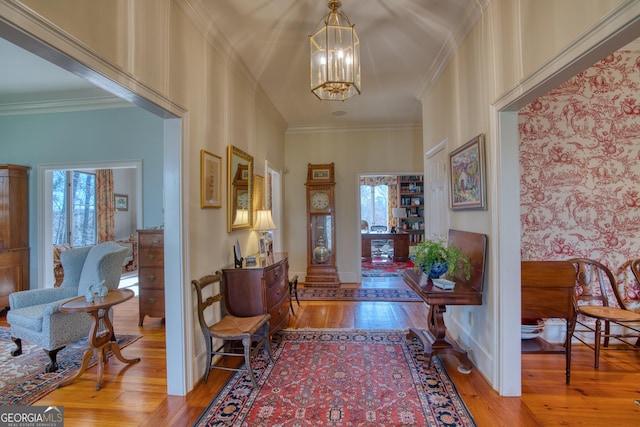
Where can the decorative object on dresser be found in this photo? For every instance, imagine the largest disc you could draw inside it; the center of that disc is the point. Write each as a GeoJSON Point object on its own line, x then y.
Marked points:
{"type": "Point", "coordinates": [259, 289]}
{"type": "Point", "coordinates": [151, 273]}
{"type": "Point", "coordinates": [14, 231]}
{"type": "Point", "coordinates": [321, 227]}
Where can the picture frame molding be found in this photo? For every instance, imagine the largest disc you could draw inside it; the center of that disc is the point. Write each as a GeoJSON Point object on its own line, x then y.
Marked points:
{"type": "Point", "coordinates": [210, 180]}
{"type": "Point", "coordinates": [471, 149]}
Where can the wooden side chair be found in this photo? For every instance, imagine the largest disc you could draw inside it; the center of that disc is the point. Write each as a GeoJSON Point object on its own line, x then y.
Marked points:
{"type": "Point", "coordinates": [293, 292]}
{"type": "Point", "coordinates": [252, 331]}
{"type": "Point", "coordinates": [598, 299]}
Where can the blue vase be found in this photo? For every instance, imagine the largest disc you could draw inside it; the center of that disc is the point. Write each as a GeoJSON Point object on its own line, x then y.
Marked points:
{"type": "Point", "coordinates": [438, 269]}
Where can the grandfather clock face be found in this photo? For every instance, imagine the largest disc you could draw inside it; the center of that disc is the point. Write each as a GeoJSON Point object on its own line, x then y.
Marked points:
{"type": "Point", "coordinates": [321, 223]}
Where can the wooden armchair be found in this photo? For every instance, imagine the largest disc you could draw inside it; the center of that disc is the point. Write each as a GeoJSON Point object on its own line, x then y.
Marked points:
{"type": "Point", "coordinates": [598, 300]}
{"type": "Point", "coordinates": [248, 330]}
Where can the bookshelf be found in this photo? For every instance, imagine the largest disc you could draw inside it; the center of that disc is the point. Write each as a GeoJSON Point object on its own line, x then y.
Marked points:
{"type": "Point", "coordinates": [411, 198]}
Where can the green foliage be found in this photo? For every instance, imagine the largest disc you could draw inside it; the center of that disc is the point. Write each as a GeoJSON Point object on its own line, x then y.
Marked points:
{"type": "Point", "coordinates": [432, 252]}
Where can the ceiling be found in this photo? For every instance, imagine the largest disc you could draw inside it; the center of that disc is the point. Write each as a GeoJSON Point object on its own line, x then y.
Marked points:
{"type": "Point", "coordinates": [403, 44]}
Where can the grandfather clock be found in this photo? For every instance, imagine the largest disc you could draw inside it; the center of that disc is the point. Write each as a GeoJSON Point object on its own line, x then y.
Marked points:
{"type": "Point", "coordinates": [321, 227]}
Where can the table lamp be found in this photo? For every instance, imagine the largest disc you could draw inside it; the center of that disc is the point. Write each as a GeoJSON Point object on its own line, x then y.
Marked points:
{"type": "Point", "coordinates": [398, 213]}
{"type": "Point", "coordinates": [264, 224]}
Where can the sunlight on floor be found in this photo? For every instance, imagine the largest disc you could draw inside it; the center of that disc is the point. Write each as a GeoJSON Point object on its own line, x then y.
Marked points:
{"type": "Point", "coordinates": [129, 280]}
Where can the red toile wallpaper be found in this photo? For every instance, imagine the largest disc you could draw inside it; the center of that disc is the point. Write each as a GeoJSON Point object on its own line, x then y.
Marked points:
{"type": "Point", "coordinates": [580, 169]}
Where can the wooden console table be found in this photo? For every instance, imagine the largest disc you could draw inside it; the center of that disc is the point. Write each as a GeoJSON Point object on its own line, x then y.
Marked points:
{"type": "Point", "coordinates": [547, 291]}
{"type": "Point", "coordinates": [100, 341]}
{"type": "Point", "coordinates": [466, 292]}
{"type": "Point", "coordinates": [400, 244]}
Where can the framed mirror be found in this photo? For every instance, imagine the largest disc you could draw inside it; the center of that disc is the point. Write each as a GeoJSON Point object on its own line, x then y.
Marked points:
{"type": "Point", "coordinates": [239, 189]}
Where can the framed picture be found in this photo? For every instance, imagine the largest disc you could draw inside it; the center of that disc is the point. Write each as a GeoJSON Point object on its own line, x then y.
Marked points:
{"type": "Point", "coordinates": [258, 193]}
{"type": "Point", "coordinates": [467, 174]}
{"type": "Point", "coordinates": [320, 173]}
{"type": "Point", "coordinates": [121, 202]}
{"type": "Point", "coordinates": [210, 180]}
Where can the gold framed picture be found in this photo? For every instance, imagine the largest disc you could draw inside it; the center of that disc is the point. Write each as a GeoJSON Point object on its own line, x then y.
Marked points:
{"type": "Point", "coordinates": [210, 180]}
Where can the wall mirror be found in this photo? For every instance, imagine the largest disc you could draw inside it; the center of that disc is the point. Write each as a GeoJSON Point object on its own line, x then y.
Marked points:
{"type": "Point", "coordinates": [239, 189]}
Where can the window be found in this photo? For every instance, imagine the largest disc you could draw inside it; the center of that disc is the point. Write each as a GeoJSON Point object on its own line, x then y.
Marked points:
{"type": "Point", "coordinates": [374, 204]}
{"type": "Point", "coordinates": [74, 208]}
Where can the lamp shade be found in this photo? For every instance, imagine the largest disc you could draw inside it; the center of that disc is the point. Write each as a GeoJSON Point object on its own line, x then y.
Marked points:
{"type": "Point", "coordinates": [242, 217]}
{"type": "Point", "coordinates": [399, 212]}
{"type": "Point", "coordinates": [264, 221]}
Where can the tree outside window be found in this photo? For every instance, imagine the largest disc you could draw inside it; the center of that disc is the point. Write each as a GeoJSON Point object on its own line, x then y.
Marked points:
{"type": "Point", "coordinates": [374, 204]}
{"type": "Point", "coordinates": [74, 208]}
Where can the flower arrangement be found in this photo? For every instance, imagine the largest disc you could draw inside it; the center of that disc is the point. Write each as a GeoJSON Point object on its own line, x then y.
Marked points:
{"type": "Point", "coordinates": [432, 252]}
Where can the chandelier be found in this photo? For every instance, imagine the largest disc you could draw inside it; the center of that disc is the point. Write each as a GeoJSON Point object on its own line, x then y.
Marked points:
{"type": "Point", "coordinates": [335, 57]}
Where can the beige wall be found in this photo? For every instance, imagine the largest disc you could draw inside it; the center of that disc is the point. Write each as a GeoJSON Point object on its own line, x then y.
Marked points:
{"type": "Point", "coordinates": [353, 152]}
{"type": "Point", "coordinates": [511, 41]}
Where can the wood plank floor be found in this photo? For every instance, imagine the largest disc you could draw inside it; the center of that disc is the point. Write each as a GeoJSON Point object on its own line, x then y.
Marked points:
{"type": "Point", "coordinates": [136, 395]}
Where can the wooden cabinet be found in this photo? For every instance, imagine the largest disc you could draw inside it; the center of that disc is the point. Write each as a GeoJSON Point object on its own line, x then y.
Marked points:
{"type": "Point", "coordinates": [151, 273]}
{"type": "Point", "coordinates": [14, 231]}
{"type": "Point", "coordinates": [547, 291]}
{"type": "Point", "coordinates": [264, 288]}
{"type": "Point", "coordinates": [411, 198]}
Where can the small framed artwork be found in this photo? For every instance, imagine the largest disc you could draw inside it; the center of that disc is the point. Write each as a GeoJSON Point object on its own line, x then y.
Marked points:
{"type": "Point", "coordinates": [320, 173]}
{"type": "Point", "coordinates": [121, 202]}
{"type": "Point", "coordinates": [210, 180]}
{"type": "Point", "coordinates": [467, 175]}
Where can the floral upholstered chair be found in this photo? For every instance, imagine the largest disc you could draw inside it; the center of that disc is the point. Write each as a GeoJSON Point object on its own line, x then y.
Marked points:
{"type": "Point", "coordinates": [35, 314]}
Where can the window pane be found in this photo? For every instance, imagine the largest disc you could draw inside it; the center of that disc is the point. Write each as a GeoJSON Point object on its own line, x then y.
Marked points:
{"type": "Point", "coordinates": [59, 216]}
{"type": "Point", "coordinates": [381, 202]}
{"type": "Point", "coordinates": [84, 209]}
{"type": "Point", "coordinates": [366, 204]}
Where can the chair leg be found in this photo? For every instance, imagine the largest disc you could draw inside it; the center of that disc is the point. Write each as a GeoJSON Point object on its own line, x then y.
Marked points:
{"type": "Point", "coordinates": [607, 329]}
{"type": "Point", "coordinates": [53, 355]}
{"type": "Point", "coordinates": [18, 350]}
{"type": "Point", "coordinates": [597, 342]}
{"type": "Point", "coordinates": [267, 340]}
{"type": "Point", "coordinates": [209, 358]}
{"type": "Point", "coordinates": [295, 290]}
{"type": "Point", "coordinates": [246, 342]}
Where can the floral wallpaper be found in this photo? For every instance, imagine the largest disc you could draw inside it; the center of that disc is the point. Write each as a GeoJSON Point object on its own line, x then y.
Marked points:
{"type": "Point", "coordinates": [580, 169]}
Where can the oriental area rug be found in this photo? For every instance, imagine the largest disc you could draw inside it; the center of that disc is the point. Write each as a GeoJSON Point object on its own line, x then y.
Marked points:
{"type": "Point", "coordinates": [23, 379]}
{"type": "Point", "coordinates": [382, 269]}
{"type": "Point", "coordinates": [340, 377]}
{"type": "Point", "coordinates": [357, 294]}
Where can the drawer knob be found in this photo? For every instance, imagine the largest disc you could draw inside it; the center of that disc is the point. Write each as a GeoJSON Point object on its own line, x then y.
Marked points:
{"type": "Point", "coordinates": [152, 300]}
{"type": "Point", "coordinates": [150, 256]}
{"type": "Point", "coordinates": [151, 277]}
{"type": "Point", "coordinates": [277, 273]}
{"type": "Point", "coordinates": [155, 240]}
{"type": "Point", "coordinates": [280, 312]}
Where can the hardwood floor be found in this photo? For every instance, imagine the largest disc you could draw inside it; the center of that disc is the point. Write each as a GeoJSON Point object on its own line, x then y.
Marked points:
{"type": "Point", "coordinates": [136, 395]}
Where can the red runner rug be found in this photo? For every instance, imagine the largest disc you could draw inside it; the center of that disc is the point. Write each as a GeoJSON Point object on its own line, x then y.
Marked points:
{"type": "Point", "coordinates": [391, 269]}
{"type": "Point", "coordinates": [340, 378]}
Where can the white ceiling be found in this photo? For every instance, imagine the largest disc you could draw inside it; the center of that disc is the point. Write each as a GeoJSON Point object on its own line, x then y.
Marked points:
{"type": "Point", "coordinates": [403, 44]}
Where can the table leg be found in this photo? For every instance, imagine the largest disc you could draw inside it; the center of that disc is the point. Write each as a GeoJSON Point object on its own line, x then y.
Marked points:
{"type": "Point", "coordinates": [99, 344]}
{"type": "Point", "coordinates": [435, 340]}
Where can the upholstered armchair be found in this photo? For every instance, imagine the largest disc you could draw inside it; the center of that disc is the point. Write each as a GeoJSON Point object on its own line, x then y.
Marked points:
{"type": "Point", "coordinates": [35, 314]}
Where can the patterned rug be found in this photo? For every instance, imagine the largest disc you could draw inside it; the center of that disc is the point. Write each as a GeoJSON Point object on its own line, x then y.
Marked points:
{"type": "Point", "coordinates": [357, 294]}
{"type": "Point", "coordinates": [22, 378]}
{"type": "Point", "coordinates": [391, 269]}
{"type": "Point", "coordinates": [343, 377]}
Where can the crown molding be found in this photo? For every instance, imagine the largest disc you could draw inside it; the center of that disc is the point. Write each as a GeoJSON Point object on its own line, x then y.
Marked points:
{"type": "Point", "coordinates": [62, 106]}
{"type": "Point", "coordinates": [455, 39]}
{"type": "Point", "coordinates": [352, 127]}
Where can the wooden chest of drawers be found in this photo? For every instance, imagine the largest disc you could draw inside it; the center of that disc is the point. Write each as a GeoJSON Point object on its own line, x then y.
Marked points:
{"type": "Point", "coordinates": [251, 291]}
{"type": "Point", "coordinates": [151, 273]}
